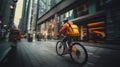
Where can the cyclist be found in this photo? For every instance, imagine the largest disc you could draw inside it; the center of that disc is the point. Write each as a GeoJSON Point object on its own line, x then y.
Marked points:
{"type": "Point", "coordinates": [71, 33]}
{"type": "Point", "coordinates": [65, 30]}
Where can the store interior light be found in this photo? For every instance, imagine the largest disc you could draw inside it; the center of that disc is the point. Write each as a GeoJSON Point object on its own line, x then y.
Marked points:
{"type": "Point", "coordinates": [0, 22]}
{"type": "Point", "coordinates": [11, 7]}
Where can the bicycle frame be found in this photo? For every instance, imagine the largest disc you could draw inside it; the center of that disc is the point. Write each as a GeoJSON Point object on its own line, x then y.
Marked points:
{"type": "Point", "coordinates": [74, 48]}
{"type": "Point", "coordinates": [68, 44]}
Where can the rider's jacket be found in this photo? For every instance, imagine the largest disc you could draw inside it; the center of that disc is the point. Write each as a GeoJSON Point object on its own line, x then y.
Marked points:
{"type": "Point", "coordinates": [65, 28]}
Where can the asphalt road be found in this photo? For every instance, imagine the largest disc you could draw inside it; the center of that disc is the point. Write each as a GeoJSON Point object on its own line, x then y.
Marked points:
{"type": "Point", "coordinates": [43, 54]}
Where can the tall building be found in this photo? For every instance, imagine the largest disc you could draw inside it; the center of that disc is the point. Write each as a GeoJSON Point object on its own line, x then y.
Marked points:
{"type": "Point", "coordinates": [28, 20]}
{"type": "Point", "coordinates": [25, 22]}
{"type": "Point", "coordinates": [98, 20]}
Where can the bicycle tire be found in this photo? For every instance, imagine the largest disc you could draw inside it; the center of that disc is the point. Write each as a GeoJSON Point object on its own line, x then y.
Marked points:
{"type": "Point", "coordinates": [85, 54]}
{"type": "Point", "coordinates": [58, 45]}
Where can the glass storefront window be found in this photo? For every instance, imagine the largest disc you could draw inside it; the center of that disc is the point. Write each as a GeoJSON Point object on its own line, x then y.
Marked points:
{"type": "Point", "coordinates": [67, 14]}
{"type": "Point", "coordinates": [46, 5]}
{"type": "Point", "coordinates": [93, 32]}
{"type": "Point", "coordinates": [80, 11]}
{"type": "Point", "coordinates": [96, 31]}
{"type": "Point", "coordinates": [71, 15]}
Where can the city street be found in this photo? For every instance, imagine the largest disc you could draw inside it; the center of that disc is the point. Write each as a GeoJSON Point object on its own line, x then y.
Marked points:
{"type": "Point", "coordinates": [38, 24]}
{"type": "Point", "coordinates": [43, 54]}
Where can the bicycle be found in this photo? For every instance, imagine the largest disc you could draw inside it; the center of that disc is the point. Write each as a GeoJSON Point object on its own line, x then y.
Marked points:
{"type": "Point", "coordinates": [76, 50]}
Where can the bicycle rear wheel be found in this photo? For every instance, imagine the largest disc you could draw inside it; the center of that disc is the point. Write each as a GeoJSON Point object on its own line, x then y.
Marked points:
{"type": "Point", "coordinates": [60, 48]}
{"type": "Point", "coordinates": [79, 53]}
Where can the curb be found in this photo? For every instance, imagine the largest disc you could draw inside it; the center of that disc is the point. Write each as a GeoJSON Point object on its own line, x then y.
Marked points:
{"type": "Point", "coordinates": [107, 46]}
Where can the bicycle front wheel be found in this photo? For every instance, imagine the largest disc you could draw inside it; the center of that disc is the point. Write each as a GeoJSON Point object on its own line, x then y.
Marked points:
{"type": "Point", "coordinates": [79, 53]}
{"type": "Point", "coordinates": [60, 48]}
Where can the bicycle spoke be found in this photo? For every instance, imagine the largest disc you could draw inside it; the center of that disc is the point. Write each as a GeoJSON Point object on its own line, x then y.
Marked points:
{"type": "Point", "coordinates": [78, 54]}
{"type": "Point", "coordinates": [60, 48]}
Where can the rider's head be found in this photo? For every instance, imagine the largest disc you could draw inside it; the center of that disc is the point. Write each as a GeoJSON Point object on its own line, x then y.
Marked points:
{"type": "Point", "coordinates": [65, 20]}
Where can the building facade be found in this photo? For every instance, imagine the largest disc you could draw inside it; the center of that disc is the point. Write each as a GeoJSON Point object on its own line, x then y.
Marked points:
{"type": "Point", "coordinates": [28, 17]}
{"type": "Point", "coordinates": [98, 20]}
{"type": "Point", "coordinates": [7, 12]}
{"type": "Point", "coordinates": [23, 23]}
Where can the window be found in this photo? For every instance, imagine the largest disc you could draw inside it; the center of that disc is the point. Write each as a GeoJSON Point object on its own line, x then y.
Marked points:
{"type": "Point", "coordinates": [81, 11]}
{"type": "Point", "coordinates": [100, 5]}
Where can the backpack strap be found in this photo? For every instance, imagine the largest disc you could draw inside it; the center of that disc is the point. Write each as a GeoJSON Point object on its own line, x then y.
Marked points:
{"type": "Point", "coordinates": [70, 26]}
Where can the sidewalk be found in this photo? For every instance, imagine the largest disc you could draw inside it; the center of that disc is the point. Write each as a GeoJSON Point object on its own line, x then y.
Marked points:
{"type": "Point", "coordinates": [109, 46]}
{"type": "Point", "coordinates": [4, 49]}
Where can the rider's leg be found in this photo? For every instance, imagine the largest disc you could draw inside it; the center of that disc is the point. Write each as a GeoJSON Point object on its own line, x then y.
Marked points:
{"type": "Point", "coordinates": [69, 42]}
{"type": "Point", "coordinates": [64, 43]}
{"type": "Point", "coordinates": [74, 49]}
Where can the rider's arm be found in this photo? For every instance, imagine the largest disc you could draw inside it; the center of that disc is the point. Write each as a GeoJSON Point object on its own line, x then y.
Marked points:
{"type": "Point", "coordinates": [63, 29]}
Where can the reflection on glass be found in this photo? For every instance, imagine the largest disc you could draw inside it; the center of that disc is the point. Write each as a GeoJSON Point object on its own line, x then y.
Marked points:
{"type": "Point", "coordinates": [46, 5]}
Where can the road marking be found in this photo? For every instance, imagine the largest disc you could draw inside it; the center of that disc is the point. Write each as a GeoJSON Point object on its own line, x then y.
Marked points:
{"type": "Point", "coordinates": [92, 54]}
{"type": "Point", "coordinates": [92, 64]}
